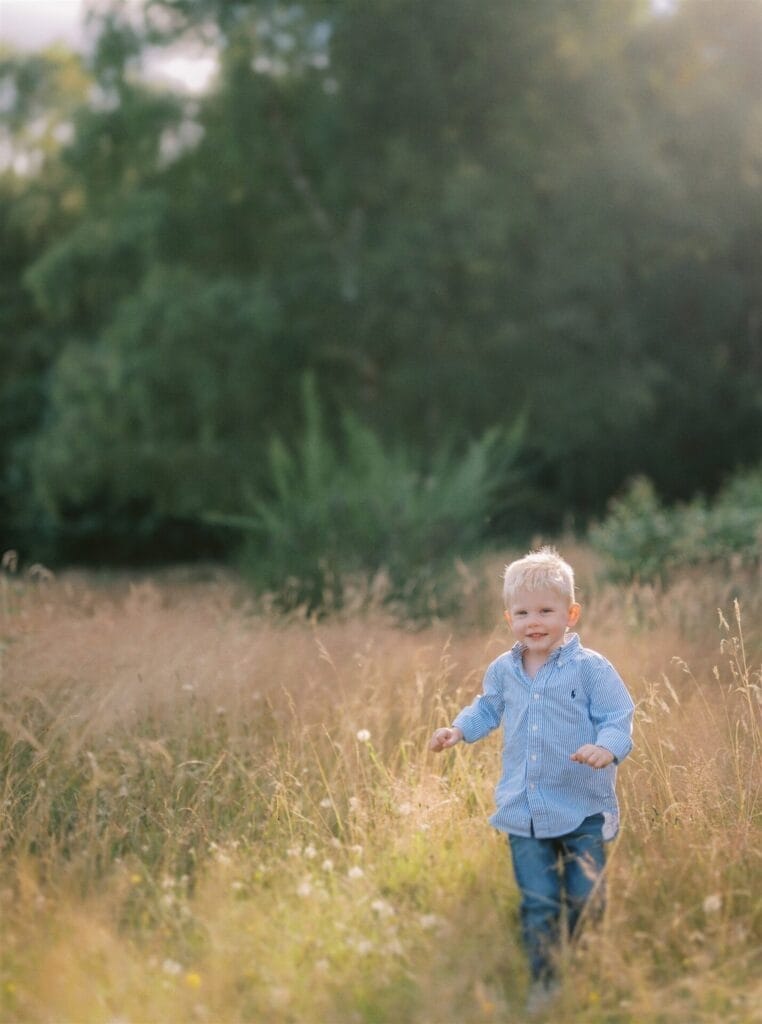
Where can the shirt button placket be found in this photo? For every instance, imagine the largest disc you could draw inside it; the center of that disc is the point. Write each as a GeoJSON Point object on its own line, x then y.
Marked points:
{"type": "Point", "coordinates": [533, 768]}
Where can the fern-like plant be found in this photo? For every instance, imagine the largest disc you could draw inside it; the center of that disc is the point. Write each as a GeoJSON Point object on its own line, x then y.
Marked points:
{"type": "Point", "coordinates": [354, 509]}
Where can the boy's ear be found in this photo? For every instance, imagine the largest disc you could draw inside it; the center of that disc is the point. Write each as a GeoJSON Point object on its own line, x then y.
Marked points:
{"type": "Point", "coordinates": [507, 617]}
{"type": "Point", "coordinates": [575, 610]}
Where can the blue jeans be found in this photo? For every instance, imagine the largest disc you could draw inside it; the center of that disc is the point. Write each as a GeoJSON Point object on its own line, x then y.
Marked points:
{"type": "Point", "coordinates": [557, 878]}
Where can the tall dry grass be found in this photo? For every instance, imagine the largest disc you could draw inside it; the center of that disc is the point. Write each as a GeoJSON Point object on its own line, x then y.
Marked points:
{"type": "Point", "coordinates": [213, 814]}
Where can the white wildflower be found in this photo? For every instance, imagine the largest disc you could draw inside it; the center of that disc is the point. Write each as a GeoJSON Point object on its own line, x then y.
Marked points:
{"type": "Point", "coordinates": [405, 809]}
{"type": "Point", "coordinates": [326, 802]}
{"type": "Point", "coordinates": [363, 735]}
{"type": "Point", "coordinates": [310, 852]}
{"type": "Point", "coordinates": [382, 908]}
{"type": "Point", "coordinates": [327, 864]}
{"type": "Point", "coordinates": [304, 888]}
{"type": "Point", "coordinates": [712, 903]}
{"type": "Point", "coordinates": [355, 872]}
{"type": "Point", "coordinates": [172, 967]}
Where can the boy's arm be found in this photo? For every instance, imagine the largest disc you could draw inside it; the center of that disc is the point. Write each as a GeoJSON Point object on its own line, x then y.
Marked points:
{"type": "Point", "coordinates": [475, 721]}
{"type": "Point", "coordinates": [611, 711]}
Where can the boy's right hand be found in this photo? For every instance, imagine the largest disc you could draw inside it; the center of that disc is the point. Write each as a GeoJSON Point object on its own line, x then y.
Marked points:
{"type": "Point", "coordinates": [444, 738]}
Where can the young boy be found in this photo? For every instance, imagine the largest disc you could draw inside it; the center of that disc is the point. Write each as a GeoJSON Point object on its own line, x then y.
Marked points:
{"type": "Point", "coordinates": [567, 721]}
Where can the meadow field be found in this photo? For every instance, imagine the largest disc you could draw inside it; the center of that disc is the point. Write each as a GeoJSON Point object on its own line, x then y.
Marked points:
{"type": "Point", "coordinates": [213, 813]}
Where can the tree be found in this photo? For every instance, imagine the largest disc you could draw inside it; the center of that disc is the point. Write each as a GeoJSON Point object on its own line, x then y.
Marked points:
{"type": "Point", "coordinates": [448, 214]}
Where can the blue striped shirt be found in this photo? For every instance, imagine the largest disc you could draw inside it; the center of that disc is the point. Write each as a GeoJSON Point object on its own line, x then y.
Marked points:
{"type": "Point", "coordinates": [576, 697]}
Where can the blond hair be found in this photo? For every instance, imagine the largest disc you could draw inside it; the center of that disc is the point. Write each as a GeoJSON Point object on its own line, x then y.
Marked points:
{"type": "Point", "coordinates": [539, 570]}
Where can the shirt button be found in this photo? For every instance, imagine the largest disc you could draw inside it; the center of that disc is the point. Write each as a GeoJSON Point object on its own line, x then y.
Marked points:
{"type": "Point", "coordinates": [536, 696]}
{"type": "Point", "coordinates": [534, 757]}
{"type": "Point", "coordinates": [532, 785]}
{"type": "Point", "coordinates": [535, 728]}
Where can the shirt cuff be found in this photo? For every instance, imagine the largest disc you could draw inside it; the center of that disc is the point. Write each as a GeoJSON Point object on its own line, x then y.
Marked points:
{"type": "Point", "coordinates": [469, 729]}
{"type": "Point", "coordinates": [613, 740]}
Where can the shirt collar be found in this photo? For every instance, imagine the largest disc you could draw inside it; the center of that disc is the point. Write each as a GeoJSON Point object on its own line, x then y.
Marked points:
{"type": "Point", "coordinates": [568, 648]}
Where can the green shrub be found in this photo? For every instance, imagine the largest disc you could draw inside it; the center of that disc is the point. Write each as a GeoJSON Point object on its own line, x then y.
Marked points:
{"type": "Point", "coordinates": [643, 539]}
{"type": "Point", "coordinates": [350, 511]}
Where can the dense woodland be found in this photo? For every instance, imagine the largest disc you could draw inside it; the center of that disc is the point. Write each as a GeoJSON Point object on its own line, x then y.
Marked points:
{"type": "Point", "coordinates": [432, 225]}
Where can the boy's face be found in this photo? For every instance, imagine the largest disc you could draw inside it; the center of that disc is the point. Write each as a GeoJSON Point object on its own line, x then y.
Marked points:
{"type": "Point", "coordinates": [539, 619]}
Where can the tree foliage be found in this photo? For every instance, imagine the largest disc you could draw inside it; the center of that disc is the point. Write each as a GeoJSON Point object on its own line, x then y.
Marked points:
{"type": "Point", "coordinates": [640, 538]}
{"type": "Point", "coordinates": [449, 214]}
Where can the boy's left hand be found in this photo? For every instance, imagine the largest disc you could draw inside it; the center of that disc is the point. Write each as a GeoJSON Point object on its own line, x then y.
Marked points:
{"type": "Point", "coordinates": [596, 757]}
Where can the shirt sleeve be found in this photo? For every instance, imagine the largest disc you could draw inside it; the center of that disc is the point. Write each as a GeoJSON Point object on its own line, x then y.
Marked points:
{"type": "Point", "coordinates": [486, 712]}
{"type": "Point", "coordinates": [611, 711]}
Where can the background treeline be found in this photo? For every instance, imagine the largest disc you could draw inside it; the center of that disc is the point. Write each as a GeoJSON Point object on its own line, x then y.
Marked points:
{"type": "Point", "coordinates": [517, 246]}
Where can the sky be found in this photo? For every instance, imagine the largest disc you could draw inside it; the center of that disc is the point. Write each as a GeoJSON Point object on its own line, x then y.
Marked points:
{"type": "Point", "coordinates": [32, 24]}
